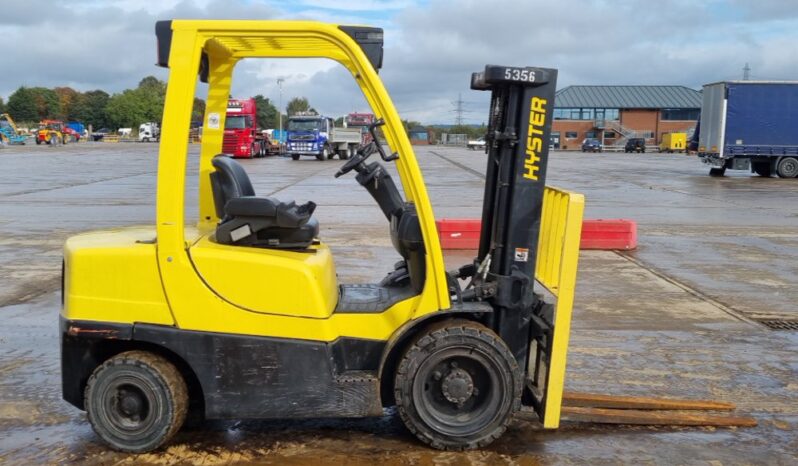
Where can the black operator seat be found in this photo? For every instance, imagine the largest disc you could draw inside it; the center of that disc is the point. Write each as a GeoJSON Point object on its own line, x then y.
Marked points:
{"type": "Point", "coordinates": [248, 220]}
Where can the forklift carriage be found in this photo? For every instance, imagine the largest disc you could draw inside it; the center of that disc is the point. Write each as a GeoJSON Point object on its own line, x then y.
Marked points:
{"type": "Point", "coordinates": [160, 321]}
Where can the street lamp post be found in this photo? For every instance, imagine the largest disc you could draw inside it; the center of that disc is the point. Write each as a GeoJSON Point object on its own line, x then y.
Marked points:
{"type": "Point", "coordinates": [280, 108]}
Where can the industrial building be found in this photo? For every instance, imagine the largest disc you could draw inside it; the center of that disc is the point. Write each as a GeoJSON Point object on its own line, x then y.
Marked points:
{"type": "Point", "coordinates": [613, 114]}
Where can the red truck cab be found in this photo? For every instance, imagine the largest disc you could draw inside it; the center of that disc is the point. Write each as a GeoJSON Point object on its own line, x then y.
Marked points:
{"type": "Point", "coordinates": [241, 136]}
{"type": "Point", "coordinates": [362, 121]}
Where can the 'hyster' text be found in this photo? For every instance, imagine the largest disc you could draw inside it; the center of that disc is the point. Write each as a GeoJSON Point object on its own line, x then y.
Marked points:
{"type": "Point", "coordinates": [534, 138]}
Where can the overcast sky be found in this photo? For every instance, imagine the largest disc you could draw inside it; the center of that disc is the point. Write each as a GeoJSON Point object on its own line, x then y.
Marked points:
{"type": "Point", "coordinates": [431, 46]}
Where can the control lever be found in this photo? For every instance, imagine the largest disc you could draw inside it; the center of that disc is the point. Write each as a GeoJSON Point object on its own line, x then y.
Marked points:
{"type": "Point", "coordinates": [372, 131]}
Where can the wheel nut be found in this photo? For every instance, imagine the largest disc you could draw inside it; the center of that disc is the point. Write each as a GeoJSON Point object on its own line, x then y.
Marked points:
{"type": "Point", "coordinates": [436, 375]}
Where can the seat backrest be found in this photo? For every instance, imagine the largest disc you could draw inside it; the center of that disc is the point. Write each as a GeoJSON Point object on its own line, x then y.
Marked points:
{"type": "Point", "coordinates": [228, 181]}
{"type": "Point", "coordinates": [409, 243]}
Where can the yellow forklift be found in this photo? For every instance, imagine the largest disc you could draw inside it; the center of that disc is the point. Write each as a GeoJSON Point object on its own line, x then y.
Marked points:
{"type": "Point", "coordinates": [159, 321]}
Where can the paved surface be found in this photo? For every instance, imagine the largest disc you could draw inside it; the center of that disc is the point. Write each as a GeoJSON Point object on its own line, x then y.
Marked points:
{"type": "Point", "coordinates": [667, 320]}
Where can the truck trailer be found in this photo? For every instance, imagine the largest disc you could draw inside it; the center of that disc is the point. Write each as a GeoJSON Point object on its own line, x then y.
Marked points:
{"type": "Point", "coordinates": [750, 125]}
{"type": "Point", "coordinates": [316, 135]}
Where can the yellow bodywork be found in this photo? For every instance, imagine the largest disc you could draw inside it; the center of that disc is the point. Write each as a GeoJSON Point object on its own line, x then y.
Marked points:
{"type": "Point", "coordinates": [673, 142]}
{"type": "Point", "coordinates": [112, 276]}
{"type": "Point", "coordinates": [269, 281]}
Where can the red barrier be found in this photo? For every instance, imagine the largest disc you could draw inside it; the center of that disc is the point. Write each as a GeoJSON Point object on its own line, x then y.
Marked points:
{"type": "Point", "coordinates": [609, 234]}
{"type": "Point", "coordinates": [612, 234]}
{"type": "Point", "coordinates": [459, 233]}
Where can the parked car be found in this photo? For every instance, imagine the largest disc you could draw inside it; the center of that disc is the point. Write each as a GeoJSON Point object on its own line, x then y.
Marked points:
{"type": "Point", "coordinates": [635, 145]}
{"type": "Point", "coordinates": [475, 144]}
{"type": "Point", "coordinates": [591, 145]}
{"type": "Point", "coordinates": [100, 134]}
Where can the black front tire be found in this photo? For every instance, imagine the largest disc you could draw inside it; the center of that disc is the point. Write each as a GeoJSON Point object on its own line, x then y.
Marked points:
{"type": "Point", "coordinates": [717, 171]}
{"type": "Point", "coordinates": [136, 401]}
{"type": "Point", "coordinates": [457, 386]}
{"type": "Point", "coordinates": [295, 156]}
{"type": "Point", "coordinates": [788, 167]}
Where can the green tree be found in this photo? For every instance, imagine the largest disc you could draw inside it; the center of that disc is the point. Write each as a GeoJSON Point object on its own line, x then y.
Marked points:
{"type": "Point", "coordinates": [89, 108]}
{"type": "Point", "coordinates": [135, 106]}
{"type": "Point", "coordinates": [127, 110]}
{"type": "Point", "coordinates": [470, 131]}
{"type": "Point", "coordinates": [410, 124]}
{"type": "Point", "coordinates": [198, 110]}
{"type": "Point", "coordinates": [21, 105]}
{"type": "Point", "coordinates": [152, 83]}
{"type": "Point", "coordinates": [298, 104]}
{"type": "Point", "coordinates": [2, 106]}
{"type": "Point", "coordinates": [268, 118]}
{"type": "Point", "coordinates": [67, 98]}
{"type": "Point", "coordinates": [48, 106]}
{"type": "Point", "coordinates": [153, 93]}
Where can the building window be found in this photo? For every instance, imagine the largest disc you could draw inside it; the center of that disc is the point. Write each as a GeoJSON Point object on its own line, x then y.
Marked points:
{"type": "Point", "coordinates": [591, 134]}
{"type": "Point", "coordinates": [648, 134]}
{"type": "Point", "coordinates": [570, 135]}
{"type": "Point", "coordinates": [610, 134]}
{"type": "Point", "coordinates": [586, 114]}
{"type": "Point", "coordinates": [555, 139]}
{"type": "Point", "coordinates": [680, 114]}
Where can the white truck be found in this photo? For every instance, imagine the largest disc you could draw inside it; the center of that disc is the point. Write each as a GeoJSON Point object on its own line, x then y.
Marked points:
{"type": "Point", "coordinates": [317, 135]}
{"type": "Point", "coordinates": [149, 132]}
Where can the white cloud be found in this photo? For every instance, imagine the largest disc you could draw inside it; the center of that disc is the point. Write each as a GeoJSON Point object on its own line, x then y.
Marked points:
{"type": "Point", "coordinates": [359, 5]}
{"type": "Point", "coordinates": [431, 46]}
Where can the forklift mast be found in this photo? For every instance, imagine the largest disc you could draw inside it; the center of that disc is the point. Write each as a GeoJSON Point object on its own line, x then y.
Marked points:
{"type": "Point", "coordinates": [522, 102]}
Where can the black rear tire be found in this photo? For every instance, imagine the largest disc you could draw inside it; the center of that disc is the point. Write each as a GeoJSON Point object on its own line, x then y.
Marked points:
{"type": "Point", "coordinates": [788, 167]}
{"type": "Point", "coordinates": [457, 386]}
{"type": "Point", "coordinates": [136, 401]}
{"type": "Point", "coordinates": [717, 171]}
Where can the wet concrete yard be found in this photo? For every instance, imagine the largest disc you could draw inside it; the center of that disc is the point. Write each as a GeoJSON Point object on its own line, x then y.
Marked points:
{"type": "Point", "coordinates": [675, 318]}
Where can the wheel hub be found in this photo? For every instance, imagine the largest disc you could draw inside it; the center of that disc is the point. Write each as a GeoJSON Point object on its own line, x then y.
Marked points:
{"type": "Point", "coordinates": [130, 403]}
{"type": "Point", "coordinates": [457, 386]}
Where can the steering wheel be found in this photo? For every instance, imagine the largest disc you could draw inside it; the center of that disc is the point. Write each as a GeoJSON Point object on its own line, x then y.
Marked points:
{"type": "Point", "coordinates": [365, 151]}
